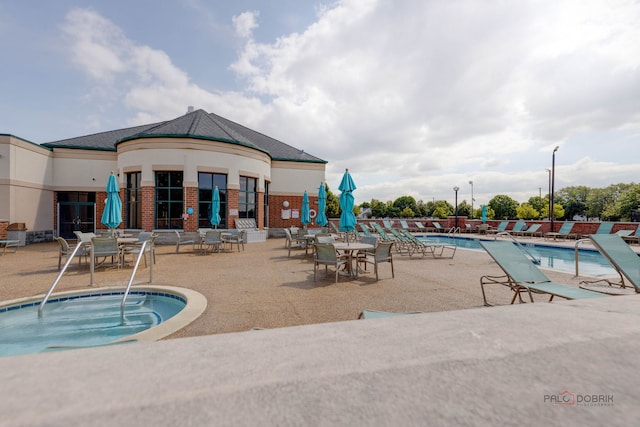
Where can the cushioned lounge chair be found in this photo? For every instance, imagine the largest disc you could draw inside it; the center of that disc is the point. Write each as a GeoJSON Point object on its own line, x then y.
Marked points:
{"type": "Point", "coordinates": [439, 228]}
{"type": "Point", "coordinates": [623, 259]}
{"type": "Point", "coordinates": [430, 247]}
{"type": "Point", "coordinates": [420, 226]}
{"type": "Point", "coordinates": [518, 227]}
{"type": "Point", "coordinates": [365, 229]}
{"type": "Point", "coordinates": [522, 276]}
{"type": "Point", "coordinates": [563, 233]}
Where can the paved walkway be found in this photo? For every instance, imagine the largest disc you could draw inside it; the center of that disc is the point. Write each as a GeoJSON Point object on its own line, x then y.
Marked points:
{"type": "Point", "coordinates": [570, 363]}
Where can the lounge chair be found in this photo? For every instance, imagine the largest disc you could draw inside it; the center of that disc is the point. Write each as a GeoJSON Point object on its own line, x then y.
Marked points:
{"type": "Point", "coordinates": [365, 229]}
{"type": "Point", "coordinates": [439, 228]}
{"type": "Point", "coordinates": [383, 234]}
{"type": "Point", "coordinates": [182, 240]}
{"type": "Point", "coordinates": [522, 276]}
{"type": "Point", "coordinates": [501, 227]}
{"type": "Point", "coordinates": [633, 238]}
{"type": "Point", "coordinates": [518, 227]}
{"type": "Point", "coordinates": [376, 314]}
{"type": "Point", "coordinates": [563, 233]}
{"type": "Point", "coordinates": [623, 259]}
{"type": "Point", "coordinates": [603, 228]}
{"type": "Point", "coordinates": [623, 233]}
{"type": "Point", "coordinates": [405, 225]}
{"type": "Point", "coordinates": [388, 223]}
{"type": "Point", "coordinates": [532, 231]}
{"type": "Point", "coordinates": [420, 226]}
{"type": "Point", "coordinates": [429, 247]}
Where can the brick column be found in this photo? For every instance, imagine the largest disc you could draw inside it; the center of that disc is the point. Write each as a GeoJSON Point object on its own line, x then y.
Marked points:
{"type": "Point", "coordinates": [233, 202]}
{"type": "Point", "coordinates": [260, 218]}
{"type": "Point", "coordinates": [191, 201]}
{"type": "Point", "coordinates": [148, 208]}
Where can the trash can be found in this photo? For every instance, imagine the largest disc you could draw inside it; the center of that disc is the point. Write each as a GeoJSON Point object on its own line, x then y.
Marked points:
{"type": "Point", "coordinates": [17, 231]}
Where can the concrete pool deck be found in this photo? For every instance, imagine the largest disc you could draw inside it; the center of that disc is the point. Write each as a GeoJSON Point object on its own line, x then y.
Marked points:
{"type": "Point", "coordinates": [460, 363]}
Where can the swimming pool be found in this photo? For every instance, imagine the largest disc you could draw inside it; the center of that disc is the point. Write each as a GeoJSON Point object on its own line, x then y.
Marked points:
{"type": "Point", "coordinates": [93, 318]}
{"type": "Point", "coordinates": [591, 262]}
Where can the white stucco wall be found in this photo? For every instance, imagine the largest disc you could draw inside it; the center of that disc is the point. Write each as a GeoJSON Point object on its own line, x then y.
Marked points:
{"type": "Point", "coordinates": [293, 178]}
{"type": "Point", "coordinates": [25, 176]}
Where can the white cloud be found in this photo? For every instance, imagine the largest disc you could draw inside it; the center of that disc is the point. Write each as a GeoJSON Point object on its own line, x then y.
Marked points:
{"type": "Point", "coordinates": [414, 97]}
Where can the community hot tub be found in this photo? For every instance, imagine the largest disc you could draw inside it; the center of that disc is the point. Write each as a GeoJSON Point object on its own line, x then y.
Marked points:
{"type": "Point", "coordinates": [93, 317]}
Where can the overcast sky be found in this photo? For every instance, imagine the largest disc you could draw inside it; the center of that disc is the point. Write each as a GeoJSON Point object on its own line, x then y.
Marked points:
{"type": "Point", "coordinates": [413, 96]}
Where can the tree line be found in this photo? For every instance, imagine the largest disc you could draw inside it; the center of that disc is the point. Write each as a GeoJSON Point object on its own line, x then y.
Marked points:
{"type": "Point", "coordinates": [616, 202]}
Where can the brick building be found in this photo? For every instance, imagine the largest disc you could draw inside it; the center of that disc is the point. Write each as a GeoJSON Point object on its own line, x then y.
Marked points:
{"type": "Point", "coordinates": [166, 171]}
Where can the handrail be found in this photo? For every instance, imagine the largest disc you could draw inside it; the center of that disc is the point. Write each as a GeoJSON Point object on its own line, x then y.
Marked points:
{"type": "Point", "coordinates": [454, 230]}
{"type": "Point", "coordinates": [520, 245]}
{"type": "Point", "coordinates": [55, 282]}
{"type": "Point", "coordinates": [133, 273]}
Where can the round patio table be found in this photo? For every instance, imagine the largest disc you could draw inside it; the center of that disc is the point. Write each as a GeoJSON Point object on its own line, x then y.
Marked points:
{"type": "Point", "coordinates": [350, 248]}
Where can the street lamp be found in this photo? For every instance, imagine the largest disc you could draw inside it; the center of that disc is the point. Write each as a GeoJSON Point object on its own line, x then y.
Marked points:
{"type": "Point", "coordinates": [456, 189]}
{"type": "Point", "coordinates": [549, 191]}
{"type": "Point", "coordinates": [553, 178]}
{"type": "Point", "coordinates": [472, 199]}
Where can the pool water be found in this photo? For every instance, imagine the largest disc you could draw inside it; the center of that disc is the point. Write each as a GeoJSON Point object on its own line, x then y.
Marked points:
{"type": "Point", "coordinates": [591, 262]}
{"type": "Point", "coordinates": [82, 320]}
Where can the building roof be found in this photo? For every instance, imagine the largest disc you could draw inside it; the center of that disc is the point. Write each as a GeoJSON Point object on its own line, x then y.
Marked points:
{"type": "Point", "coordinates": [197, 124]}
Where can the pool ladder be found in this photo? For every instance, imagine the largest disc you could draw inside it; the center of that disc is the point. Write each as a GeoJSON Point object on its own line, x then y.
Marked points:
{"type": "Point", "coordinates": [126, 292]}
{"type": "Point", "coordinates": [519, 245]}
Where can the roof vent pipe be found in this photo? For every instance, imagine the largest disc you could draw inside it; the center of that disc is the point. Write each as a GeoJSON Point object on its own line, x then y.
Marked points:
{"type": "Point", "coordinates": [190, 109]}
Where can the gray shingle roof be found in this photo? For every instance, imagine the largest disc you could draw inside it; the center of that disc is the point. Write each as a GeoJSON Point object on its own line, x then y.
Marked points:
{"type": "Point", "coordinates": [198, 125]}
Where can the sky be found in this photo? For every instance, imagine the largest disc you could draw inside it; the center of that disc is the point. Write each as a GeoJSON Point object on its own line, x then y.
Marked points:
{"type": "Point", "coordinates": [414, 97]}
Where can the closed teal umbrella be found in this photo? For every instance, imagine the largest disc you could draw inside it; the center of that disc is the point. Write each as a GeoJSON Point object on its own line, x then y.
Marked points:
{"type": "Point", "coordinates": [484, 213]}
{"type": "Point", "coordinates": [112, 215]}
{"type": "Point", "coordinates": [347, 201]}
{"type": "Point", "coordinates": [321, 218]}
{"type": "Point", "coordinates": [306, 217]}
{"type": "Point", "coordinates": [215, 208]}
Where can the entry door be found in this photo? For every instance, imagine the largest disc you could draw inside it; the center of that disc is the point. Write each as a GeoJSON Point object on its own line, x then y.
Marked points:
{"type": "Point", "coordinates": [76, 216]}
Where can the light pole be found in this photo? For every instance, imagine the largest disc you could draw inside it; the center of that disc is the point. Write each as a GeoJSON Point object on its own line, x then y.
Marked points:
{"type": "Point", "coordinates": [456, 189]}
{"type": "Point", "coordinates": [549, 191]}
{"type": "Point", "coordinates": [553, 179]}
{"type": "Point", "coordinates": [472, 200]}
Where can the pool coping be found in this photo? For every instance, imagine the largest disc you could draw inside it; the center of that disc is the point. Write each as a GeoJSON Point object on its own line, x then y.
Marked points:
{"type": "Point", "coordinates": [195, 305]}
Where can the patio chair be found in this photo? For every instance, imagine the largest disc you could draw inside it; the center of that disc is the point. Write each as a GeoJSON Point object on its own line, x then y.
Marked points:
{"type": "Point", "coordinates": [522, 276]}
{"type": "Point", "coordinates": [104, 247]}
{"type": "Point", "coordinates": [9, 243]}
{"type": "Point", "coordinates": [183, 240]}
{"type": "Point", "coordinates": [293, 243]}
{"type": "Point", "coordinates": [381, 254]}
{"type": "Point", "coordinates": [623, 259]}
{"type": "Point", "coordinates": [66, 251]}
{"type": "Point", "coordinates": [235, 237]}
{"type": "Point", "coordinates": [134, 249]}
{"type": "Point", "coordinates": [564, 232]}
{"type": "Point", "coordinates": [326, 254]}
{"type": "Point", "coordinates": [212, 241]}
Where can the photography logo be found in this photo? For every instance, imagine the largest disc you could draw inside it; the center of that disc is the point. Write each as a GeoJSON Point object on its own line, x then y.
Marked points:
{"type": "Point", "coordinates": [568, 398]}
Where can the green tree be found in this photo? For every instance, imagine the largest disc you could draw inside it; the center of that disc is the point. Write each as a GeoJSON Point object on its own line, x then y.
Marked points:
{"type": "Point", "coordinates": [557, 209]}
{"type": "Point", "coordinates": [627, 202]}
{"type": "Point", "coordinates": [404, 202]}
{"type": "Point", "coordinates": [526, 211]}
{"type": "Point", "coordinates": [573, 199]}
{"type": "Point", "coordinates": [442, 209]}
{"type": "Point", "coordinates": [378, 208]}
{"type": "Point", "coordinates": [504, 207]}
{"type": "Point", "coordinates": [539, 203]}
{"type": "Point", "coordinates": [333, 203]}
{"type": "Point", "coordinates": [464, 209]}
{"type": "Point", "coordinates": [407, 213]}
